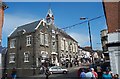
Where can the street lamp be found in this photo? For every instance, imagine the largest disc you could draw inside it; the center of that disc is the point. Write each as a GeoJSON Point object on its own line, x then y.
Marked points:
{"type": "Point", "coordinates": [84, 18]}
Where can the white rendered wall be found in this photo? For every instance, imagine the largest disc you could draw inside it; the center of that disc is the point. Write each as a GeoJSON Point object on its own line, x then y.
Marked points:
{"type": "Point", "coordinates": [113, 37]}
{"type": "Point", "coordinates": [114, 60]}
{"type": "Point", "coordinates": [114, 52]}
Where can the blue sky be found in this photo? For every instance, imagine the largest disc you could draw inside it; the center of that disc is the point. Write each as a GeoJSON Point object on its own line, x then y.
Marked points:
{"type": "Point", "coordinates": [65, 13]}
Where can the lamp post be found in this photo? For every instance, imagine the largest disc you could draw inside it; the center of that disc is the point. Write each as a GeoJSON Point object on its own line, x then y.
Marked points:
{"type": "Point", "coordinates": [90, 39]}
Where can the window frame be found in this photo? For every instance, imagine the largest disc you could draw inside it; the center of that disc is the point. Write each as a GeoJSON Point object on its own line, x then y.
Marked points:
{"type": "Point", "coordinates": [46, 39]}
{"type": "Point", "coordinates": [62, 44]}
{"type": "Point", "coordinates": [12, 43]}
{"type": "Point", "coordinates": [26, 58]}
{"type": "Point", "coordinates": [11, 57]}
{"type": "Point", "coordinates": [28, 40]}
{"type": "Point", "coordinates": [42, 42]}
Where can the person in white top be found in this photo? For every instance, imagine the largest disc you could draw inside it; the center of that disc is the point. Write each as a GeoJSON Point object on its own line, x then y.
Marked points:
{"type": "Point", "coordinates": [89, 75]}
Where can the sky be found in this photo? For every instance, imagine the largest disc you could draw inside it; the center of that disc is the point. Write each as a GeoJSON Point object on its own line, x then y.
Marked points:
{"type": "Point", "coordinates": [65, 13]}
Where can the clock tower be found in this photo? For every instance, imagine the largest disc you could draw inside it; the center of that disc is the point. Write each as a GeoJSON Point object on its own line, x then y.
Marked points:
{"type": "Point", "coordinates": [49, 17]}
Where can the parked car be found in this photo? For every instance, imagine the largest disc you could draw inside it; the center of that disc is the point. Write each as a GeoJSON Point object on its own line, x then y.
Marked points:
{"type": "Point", "coordinates": [58, 69]}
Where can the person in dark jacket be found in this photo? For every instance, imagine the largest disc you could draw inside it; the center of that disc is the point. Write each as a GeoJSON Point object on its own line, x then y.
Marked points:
{"type": "Point", "coordinates": [13, 74]}
{"type": "Point", "coordinates": [47, 73]}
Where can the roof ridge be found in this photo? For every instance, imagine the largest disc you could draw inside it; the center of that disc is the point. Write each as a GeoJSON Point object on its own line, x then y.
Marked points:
{"type": "Point", "coordinates": [28, 27]}
{"type": "Point", "coordinates": [28, 23]}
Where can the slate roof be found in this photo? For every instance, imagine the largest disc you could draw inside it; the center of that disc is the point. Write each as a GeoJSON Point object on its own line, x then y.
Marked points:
{"type": "Point", "coordinates": [66, 35]}
{"type": "Point", "coordinates": [27, 27]}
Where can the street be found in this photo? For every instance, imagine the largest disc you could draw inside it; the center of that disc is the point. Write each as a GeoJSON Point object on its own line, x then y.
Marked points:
{"type": "Point", "coordinates": [72, 74]}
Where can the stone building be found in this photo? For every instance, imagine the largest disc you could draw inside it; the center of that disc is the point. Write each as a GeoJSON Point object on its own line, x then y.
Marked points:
{"type": "Point", "coordinates": [112, 13]}
{"type": "Point", "coordinates": [38, 43]}
{"type": "Point", "coordinates": [84, 55]}
{"type": "Point", "coordinates": [104, 41]}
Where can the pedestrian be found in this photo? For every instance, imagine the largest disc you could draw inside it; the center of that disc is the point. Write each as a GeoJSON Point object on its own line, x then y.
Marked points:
{"type": "Point", "coordinates": [66, 64]}
{"type": "Point", "coordinates": [42, 70]}
{"type": "Point", "coordinates": [5, 76]}
{"type": "Point", "coordinates": [89, 74]}
{"type": "Point", "coordinates": [47, 73]}
{"type": "Point", "coordinates": [99, 72]}
{"type": "Point", "coordinates": [94, 73]}
{"type": "Point", "coordinates": [116, 76]}
{"type": "Point", "coordinates": [70, 64]}
{"type": "Point", "coordinates": [83, 74]}
{"type": "Point", "coordinates": [106, 75]}
{"type": "Point", "coordinates": [112, 75]}
{"type": "Point", "coordinates": [13, 74]}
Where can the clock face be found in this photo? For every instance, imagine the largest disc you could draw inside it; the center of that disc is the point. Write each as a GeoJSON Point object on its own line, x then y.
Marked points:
{"type": "Point", "coordinates": [49, 21]}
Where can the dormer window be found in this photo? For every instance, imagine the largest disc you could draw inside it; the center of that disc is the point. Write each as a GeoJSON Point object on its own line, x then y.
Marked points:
{"type": "Point", "coordinates": [28, 40]}
{"type": "Point", "coordinates": [24, 31]}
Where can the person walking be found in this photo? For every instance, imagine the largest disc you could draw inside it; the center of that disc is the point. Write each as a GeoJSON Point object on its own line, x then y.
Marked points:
{"type": "Point", "coordinates": [99, 72]}
{"type": "Point", "coordinates": [106, 75]}
{"type": "Point", "coordinates": [89, 74]}
{"type": "Point", "coordinates": [94, 73]}
{"type": "Point", "coordinates": [47, 73]}
{"type": "Point", "coordinates": [13, 74]}
{"type": "Point", "coordinates": [83, 74]}
{"type": "Point", "coordinates": [116, 76]}
{"type": "Point", "coordinates": [5, 76]}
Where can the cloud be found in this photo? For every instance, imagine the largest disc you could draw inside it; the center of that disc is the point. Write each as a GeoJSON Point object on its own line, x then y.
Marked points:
{"type": "Point", "coordinates": [11, 21]}
{"type": "Point", "coordinates": [82, 39]}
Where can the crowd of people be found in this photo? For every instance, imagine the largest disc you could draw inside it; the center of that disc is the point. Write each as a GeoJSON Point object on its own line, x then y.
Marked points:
{"type": "Point", "coordinates": [92, 74]}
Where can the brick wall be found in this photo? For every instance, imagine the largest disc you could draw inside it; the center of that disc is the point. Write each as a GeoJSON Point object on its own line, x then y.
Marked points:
{"type": "Point", "coordinates": [112, 12]}
{"type": "Point", "coordinates": [1, 20]}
